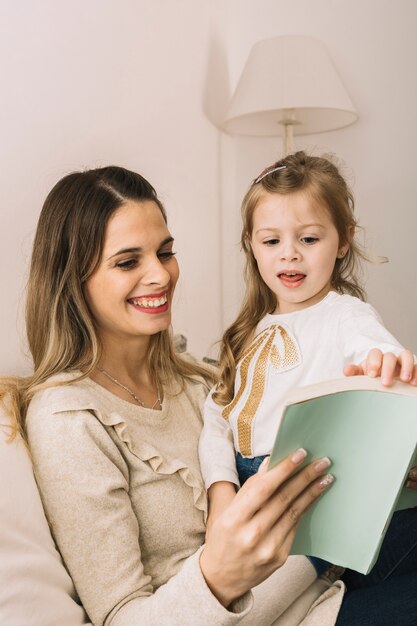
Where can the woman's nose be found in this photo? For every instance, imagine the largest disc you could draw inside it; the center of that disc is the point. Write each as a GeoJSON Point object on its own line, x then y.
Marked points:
{"type": "Point", "coordinates": [156, 273]}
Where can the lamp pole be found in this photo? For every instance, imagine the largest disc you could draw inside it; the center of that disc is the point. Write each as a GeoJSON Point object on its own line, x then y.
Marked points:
{"type": "Point", "coordinates": [288, 122]}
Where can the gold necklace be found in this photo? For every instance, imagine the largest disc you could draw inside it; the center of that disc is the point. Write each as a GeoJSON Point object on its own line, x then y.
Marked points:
{"type": "Point", "coordinates": [132, 393]}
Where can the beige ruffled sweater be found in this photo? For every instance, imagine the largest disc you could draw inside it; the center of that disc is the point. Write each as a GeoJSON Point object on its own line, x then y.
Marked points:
{"type": "Point", "coordinates": [122, 489]}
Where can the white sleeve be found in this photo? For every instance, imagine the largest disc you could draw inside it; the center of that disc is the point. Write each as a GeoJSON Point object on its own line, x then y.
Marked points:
{"type": "Point", "coordinates": [361, 330]}
{"type": "Point", "coordinates": [216, 449]}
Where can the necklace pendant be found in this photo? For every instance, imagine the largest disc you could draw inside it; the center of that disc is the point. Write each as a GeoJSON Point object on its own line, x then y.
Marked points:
{"type": "Point", "coordinates": [130, 392]}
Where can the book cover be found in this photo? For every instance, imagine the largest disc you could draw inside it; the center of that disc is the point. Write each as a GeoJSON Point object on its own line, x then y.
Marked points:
{"type": "Point", "coordinates": [370, 433]}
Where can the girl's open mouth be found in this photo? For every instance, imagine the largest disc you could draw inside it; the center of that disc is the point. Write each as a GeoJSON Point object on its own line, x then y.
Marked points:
{"type": "Point", "coordinates": [290, 279]}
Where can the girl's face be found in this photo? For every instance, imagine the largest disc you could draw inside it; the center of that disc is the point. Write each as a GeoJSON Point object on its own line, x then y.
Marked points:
{"type": "Point", "coordinates": [295, 245]}
{"type": "Point", "coordinates": [130, 292]}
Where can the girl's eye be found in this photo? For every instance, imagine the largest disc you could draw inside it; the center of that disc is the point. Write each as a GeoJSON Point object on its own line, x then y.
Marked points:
{"type": "Point", "coordinates": [166, 256]}
{"type": "Point", "coordinates": [271, 242]}
{"type": "Point", "coordinates": [129, 264]}
{"type": "Point", "coordinates": [309, 240]}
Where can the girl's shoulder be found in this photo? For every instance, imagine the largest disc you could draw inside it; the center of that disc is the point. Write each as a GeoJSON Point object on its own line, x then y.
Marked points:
{"type": "Point", "coordinates": [351, 304]}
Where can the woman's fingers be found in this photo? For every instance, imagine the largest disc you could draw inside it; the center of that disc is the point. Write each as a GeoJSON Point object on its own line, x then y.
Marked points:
{"type": "Point", "coordinates": [271, 531]}
{"type": "Point", "coordinates": [253, 536]}
{"type": "Point", "coordinates": [286, 507]}
{"type": "Point", "coordinates": [258, 489]}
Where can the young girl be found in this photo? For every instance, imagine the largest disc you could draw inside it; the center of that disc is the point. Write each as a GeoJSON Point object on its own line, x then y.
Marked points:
{"type": "Point", "coordinates": [303, 319]}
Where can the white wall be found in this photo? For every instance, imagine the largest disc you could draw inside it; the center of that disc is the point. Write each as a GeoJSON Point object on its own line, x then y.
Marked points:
{"type": "Point", "coordinates": [373, 45]}
{"type": "Point", "coordinates": [141, 83]}
{"type": "Point", "coordinates": [91, 82]}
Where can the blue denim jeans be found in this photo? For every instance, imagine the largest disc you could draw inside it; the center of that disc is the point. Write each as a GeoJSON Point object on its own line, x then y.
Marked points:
{"type": "Point", "coordinates": [246, 467]}
{"type": "Point", "coordinates": [387, 596]}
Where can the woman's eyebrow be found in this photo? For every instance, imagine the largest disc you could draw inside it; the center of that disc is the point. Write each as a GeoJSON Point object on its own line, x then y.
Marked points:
{"type": "Point", "coordinates": [126, 251]}
{"type": "Point", "coordinates": [138, 249]}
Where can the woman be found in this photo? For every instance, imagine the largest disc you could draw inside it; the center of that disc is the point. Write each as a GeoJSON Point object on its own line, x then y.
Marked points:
{"type": "Point", "coordinates": [113, 417]}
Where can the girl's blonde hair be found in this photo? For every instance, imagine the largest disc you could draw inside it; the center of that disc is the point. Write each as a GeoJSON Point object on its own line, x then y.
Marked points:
{"type": "Point", "coordinates": [66, 251]}
{"type": "Point", "coordinates": [320, 178]}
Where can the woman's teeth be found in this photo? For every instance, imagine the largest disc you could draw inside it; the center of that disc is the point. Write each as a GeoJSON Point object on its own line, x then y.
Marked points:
{"type": "Point", "coordinates": [150, 303]}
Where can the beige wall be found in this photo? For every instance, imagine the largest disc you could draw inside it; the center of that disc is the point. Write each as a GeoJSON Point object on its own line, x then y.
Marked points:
{"type": "Point", "coordinates": [141, 83]}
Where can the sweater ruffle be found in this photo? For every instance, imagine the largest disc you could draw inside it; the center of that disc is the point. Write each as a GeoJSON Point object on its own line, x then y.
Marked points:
{"type": "Point", "coordinates": [160, 465]}
{"type": "Point", "coordinates": [84, 400]}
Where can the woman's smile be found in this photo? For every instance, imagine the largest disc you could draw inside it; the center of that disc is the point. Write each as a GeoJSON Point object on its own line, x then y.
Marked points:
{"type": "Point", "coordinates": [156, 303]}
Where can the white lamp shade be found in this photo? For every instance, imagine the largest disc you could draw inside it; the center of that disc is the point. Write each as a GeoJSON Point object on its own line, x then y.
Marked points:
{"type": "Point", "coordinates": [289, 79]}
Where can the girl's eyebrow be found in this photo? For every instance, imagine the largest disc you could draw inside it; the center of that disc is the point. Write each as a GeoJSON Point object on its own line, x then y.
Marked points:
{"type": "Point", "coordinates": [138, 249]}
{"type": "Point", "coordinates": [274, 228]}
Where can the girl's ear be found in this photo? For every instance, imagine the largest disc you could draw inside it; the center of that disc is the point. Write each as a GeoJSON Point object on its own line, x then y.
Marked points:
{"type": "Point", "coordinates": [345, 247]}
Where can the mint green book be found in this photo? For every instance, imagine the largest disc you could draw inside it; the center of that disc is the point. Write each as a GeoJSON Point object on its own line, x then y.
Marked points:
{"type": "Point", "coordinates": [370, 434]}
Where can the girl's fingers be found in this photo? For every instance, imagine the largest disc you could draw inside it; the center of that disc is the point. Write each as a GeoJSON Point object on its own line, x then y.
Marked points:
{"type": "Point", "coordinates": [390, 367]}
{"type": "Point", "coordinates": [373, 363]}
{"type": "Point", "coordinates": [353, 370]}
{"type": "Point", "coordinates": [414, 376]}
{"type": "Point", "coordinates": [406, 368]}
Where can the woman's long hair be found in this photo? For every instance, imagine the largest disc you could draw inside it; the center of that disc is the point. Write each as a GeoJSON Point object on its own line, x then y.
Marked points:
{"type": "Point", "coordinates": [322, 181]}
{"type": "Point", "coordinates": [67, 249]}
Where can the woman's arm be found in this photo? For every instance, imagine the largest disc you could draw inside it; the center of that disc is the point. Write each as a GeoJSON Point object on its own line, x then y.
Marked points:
{"type": "Point", "coordinates": [252, 538]}
{"type": "Point", "coordinates": [84, 484]}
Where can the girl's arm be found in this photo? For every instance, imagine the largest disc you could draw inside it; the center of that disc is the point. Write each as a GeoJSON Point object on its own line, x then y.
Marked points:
{"type": "Point", "coordinates": [219, 495]}
{"type": "Point", "coordinates": [216, 447]}
{"type": "Point", "coordinates": [217, 460]}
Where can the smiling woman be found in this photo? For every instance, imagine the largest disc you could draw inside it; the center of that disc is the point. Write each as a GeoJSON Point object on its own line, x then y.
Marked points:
{"type": "Point", "coordinates": [113, 415]}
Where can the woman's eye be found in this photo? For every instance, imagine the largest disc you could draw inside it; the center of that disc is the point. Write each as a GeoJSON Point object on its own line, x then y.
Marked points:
{"type": "Point", "coordinates": [165, 256]}
{"type": "Point", "coordinates": [309, 240]}
{"type": "Point", "coordinates": [129, 264]}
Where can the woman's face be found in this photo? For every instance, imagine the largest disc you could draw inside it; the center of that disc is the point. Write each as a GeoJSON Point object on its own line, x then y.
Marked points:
{"type": "Point", "coordinates": [130, 293]}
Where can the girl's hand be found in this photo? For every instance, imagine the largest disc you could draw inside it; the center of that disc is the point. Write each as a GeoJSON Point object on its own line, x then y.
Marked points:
{"type": "Point", "coordinates": [387, 365]}
{"type": "Point", "coordinates": [253, 536]}
{"type": "Point", "coordinates": [412, 478]}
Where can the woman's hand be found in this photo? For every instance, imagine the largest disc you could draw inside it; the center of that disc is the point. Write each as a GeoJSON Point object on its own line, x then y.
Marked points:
{"type": "Point", "coordinates": [387, 365]}
{"type": "Point", "coordinates": [412, 478]}
{"type": "Point", "coordinates": [253, 536]}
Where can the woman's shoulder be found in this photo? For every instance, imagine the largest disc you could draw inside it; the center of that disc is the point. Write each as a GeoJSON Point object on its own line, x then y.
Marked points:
{"type": "Point", "coordinates": [67, 391]}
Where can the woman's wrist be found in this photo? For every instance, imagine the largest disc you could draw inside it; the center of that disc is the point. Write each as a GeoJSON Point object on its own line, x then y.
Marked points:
{"type": "Point", "coordinates": [215, 581]}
